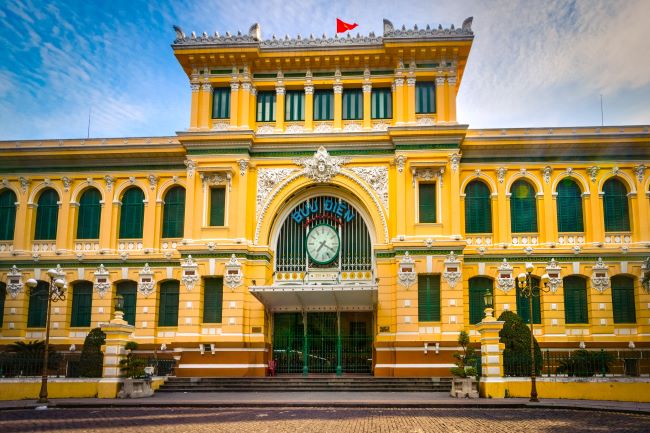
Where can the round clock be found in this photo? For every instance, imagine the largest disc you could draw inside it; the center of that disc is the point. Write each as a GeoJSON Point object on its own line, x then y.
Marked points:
{"type": "Point", "coordinates": [323, 244]}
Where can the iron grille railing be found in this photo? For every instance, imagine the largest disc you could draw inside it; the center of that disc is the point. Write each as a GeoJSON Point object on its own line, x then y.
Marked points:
{"type": "Point", "coordinates": [31, 364]}
{"type": "Point", "coordinates": [162, 366]}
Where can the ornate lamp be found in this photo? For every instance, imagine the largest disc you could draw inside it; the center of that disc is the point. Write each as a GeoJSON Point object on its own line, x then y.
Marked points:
{"type": "Point", "coordinates": [488, 299]}
{"type": "Point", "coordinates": [119, 307]}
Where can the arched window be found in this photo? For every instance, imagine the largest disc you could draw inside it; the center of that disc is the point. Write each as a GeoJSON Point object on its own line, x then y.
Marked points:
{"type": "Point", "coordinates": [523, 208]}
{"type": "Point", "coordinates": [90, 211]}
{"type": "Point", "coordinates": [477, 288]}
{"type": "Point", "coordinates": [478, 208]}
{"type": "Point", "coordinates": [37, 310]}
{"type": "Point", "coordinates": [623, 299]}
{"type": "Point", "coordinates": [47, 215]}
{"type": "Point", "coordinates": [82, 302]}
{"type": "Point", "coordinates": [128, 291]}
{"type": "Point", "coordinates": [615, 206]}
{"type": "Point", "coordinates": [569, 207]}
{"type": "Point", "coordinates": [7, 215]}
{"type": "Point", "coordinates": [174, 213]}
{"type": "Point", "coordinates": [132, 214]}
{"type": "Point", "coordinates": [575, 300]}
{"type": "Point", "coordinates": [523, 304]}
{"type": "Point", "coordinates": [168, 306]}
{"type": "Point", "coordinates": [3, 296]}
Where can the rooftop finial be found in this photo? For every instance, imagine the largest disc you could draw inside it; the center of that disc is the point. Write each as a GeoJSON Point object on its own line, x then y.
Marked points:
{"type": "Point", "coordinates": [179, 32]}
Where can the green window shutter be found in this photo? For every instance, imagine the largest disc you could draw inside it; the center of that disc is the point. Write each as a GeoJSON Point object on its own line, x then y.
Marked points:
{"type": "Point", "coordinates": [168, 305]}
{"type": "Point", "coordinates": [427, 202]}
{"type": "Point", "coordinates": [82, 301]}
{"type": "Point", "coordinates": [616, 207]}
{"type": "Point", "coordinates": [623, 299]}
{"type": "Point", "coordinates": [429, 298]}
{"type": "Point", "coordinates": [425, 97]}
{"type": "Point", "coordinates": [47, 215]}
{"type": "Point", "coordinates": [128, 290]}
{"type": "Point", "coordinates": [212, 300]}
{"type": "Point", "coordinates": [221, 103]}
{"type": "Point", "coordinates": [37, 310]}
{"type": "Point", "coordinates": [478, 208]}
{"type": "Point", "coordinates": [477, 288]}
{"type": "Point", "coordinates": [3, 296]}
{"type": "Point", "coordinates": [7, 215]}
{"type": "Point", "coordinates": [89, 214]}
{"type": "Point", "coordinates": [575, 300]}
{"type": "Point", "coordinates": [324, 105]}
{"type": "Point", "coordinates": [381, 101]}
{"type": "Point", "coordinates": [174, 213]}
{"type": "Point", "coordinates": [217, 206]}
{"type": "Point", "coordinates": [523, 208]}
{"type": "Point", "coordinates": [132, 214]}
{"type": "Point", "coordinates": [294, 105]}
{"type": "Point", "coordinates": [569, 207]}
{"type": "Point", "coordinates": [523, 304]}
{"type": "Point", "coordinates": [266, 106]}
{"type": "Point", "coordinates": [352, 104]}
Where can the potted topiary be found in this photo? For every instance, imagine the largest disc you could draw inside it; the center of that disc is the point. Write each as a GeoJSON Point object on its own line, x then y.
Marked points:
{"type": "Point", "coordinates": [464, 384]}
{"type": "Point", "coordinates": [136, 383]}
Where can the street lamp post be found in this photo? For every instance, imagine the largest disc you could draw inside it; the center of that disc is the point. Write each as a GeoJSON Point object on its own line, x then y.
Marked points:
{"type": "Point", "coordinates": [526, 289]}
{"type": "Point", "coordinates": [55, 292]}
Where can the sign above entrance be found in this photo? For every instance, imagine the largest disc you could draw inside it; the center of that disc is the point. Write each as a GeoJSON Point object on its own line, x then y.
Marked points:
{"type": "Point", "coordinates": [331, 208]}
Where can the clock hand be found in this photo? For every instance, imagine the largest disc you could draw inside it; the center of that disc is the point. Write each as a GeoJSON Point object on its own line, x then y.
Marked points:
{"type": "Point", "coordinates": [321, 246]}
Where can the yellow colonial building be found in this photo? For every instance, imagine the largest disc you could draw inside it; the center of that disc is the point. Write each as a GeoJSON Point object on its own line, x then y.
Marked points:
{"type": "Point", "coordinates": [327, 210]}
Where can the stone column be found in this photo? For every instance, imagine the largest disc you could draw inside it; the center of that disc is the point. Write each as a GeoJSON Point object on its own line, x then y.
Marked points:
{"type": "Point", "coordinates": [244, 104]}
{"type": "Point", "coordinates": [279, 107]}
{"type": "Point", "coordinates": [492, 384]}
{"type": "Point", "coordinates": [118, 333]}
{"type": "Point", "coordinates": [194, 113]}
{"type": "Point", "coordinates": [451, 104]}
{"type": "Point", "coordinates": [441, 96]}
{"type": "Point", "coordinates": [454, 195]}
{"type": "Point", "coordinates": [309, 107]}
{"type": "Point", "coordinates": [22, 228]}
{"type": "Point", "coordinates": [398, 112]}
{"type": "Point", "coordinates": [62, 227]}
{"type": "Point", "coordinates": [410, 100]}
{"type": "Point", "coordinates": [367, 106]}
{"type": "Point", "coordinates": [252, 112]}
{"type": "Point", "coordinates": [234, 102]}
{"type": "Point", "coordinates": [338, 106]}
{"type": "Point", "coordinates": [205, 119]}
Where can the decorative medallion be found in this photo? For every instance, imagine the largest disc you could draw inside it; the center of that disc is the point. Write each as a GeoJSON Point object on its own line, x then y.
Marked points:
{"type": "Point", "coordinates": [600, 276]}
{"type": "Point", "coordinates": [66, 183]}
{"type": "Point", "coordinates": [191, 166]}
{"type": "Point", "coordinates": [454, 158]}
{"type": "Point", "coordinates": [554, 270]}
{"type": "Point", "coordinates": [243, 166]}
{"type": "Point", "coordinates": [110, 180]}
{"type": "Point", "coordinates": [400, 160]}
{"type": "Point", "coordinates": [147, 284]}
{"type": "Point", "coordinates": [406, 275]}
{"type": "Point", "coordinates": [639, 170]}
{"type": "Point", "coordinates": [14, 281]}
{"type": "Point", "coordinates": [102, 281]}
{"type": "Point", "coordinates": [546, 173]}
{"type": "Point", "coordinates": [593, 172]}
{"type": "Point", "coordinates": [501, 174]}
{"type": "Point", "coordinates": [216, 178]}
{"type": "Point", "coordinates": [322, 167]}
{"type": "Point", "coordinates": [505, 279]}
{"type": "Point", "coordinates": [377, 177]}
{"type": "Point", "coordinates": [153, 180]}
{"type": "Point", "coordinates": [24, 183]}
{"type": "Point", "coordinates": [452, 274]}
{"type": "Point", "coordinates": [234, 275]}
{"type": "Point", "coordinates": [190, 274]}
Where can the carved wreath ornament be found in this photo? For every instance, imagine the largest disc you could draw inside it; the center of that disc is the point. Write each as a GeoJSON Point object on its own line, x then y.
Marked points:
{"type": "Point", "coordinates": [321, 167]}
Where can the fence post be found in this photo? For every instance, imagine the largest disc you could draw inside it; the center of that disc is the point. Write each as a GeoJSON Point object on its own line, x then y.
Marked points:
{"type": "Point", "coordinates": [603, 368]}
{"type": "Point", "coordinates": [548, 363]}
{"type": "Point", "coordinates": [118, 333]}
{"type": "Point", "coordinates": [492, 383]}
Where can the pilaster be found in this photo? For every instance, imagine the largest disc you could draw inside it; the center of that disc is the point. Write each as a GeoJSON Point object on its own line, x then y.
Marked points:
{"type": "Point", "coordinates": [205, 118]}
{"type": "Point", "coordinates": [338, 106]}
{"type": "Point", "coordinates": [234, 102]}
{"type": "Point", "coordinates": [194, 112]}
{"type": "Point", "coordinates": [451, 99]}
{"type": "Point", "coordinates": [441, 96]}
{"type": "Point", "coordinates": [367, 106]}
{"type": "Point", "coordinates": [244, 104]}
{"type": "Point", "coordinates": [309, 107]}
{"type": "Point", "coordinates": [279, 106]}
{"type": "Point", "coordinates": [410, 99]}
{"type": "Point", "coordinates": [398, 112]}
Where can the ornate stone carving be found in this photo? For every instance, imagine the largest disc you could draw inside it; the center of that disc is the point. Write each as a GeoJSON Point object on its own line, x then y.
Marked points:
{"type": "Point", "coordinates": [600, 276]}
{"type": "Point", "coordinates": [400, 160]}
{"type": "Point", "coordinates": [216, 178]}
{"type": "Point", "coordinates": [191, 166]}
{"type": "Point", "coordinates": [427, 174]}
{"type": "Point", "coordinates": [147, 284]}
{"type": "Point", "coordinates": [110, 181]}
{"type": "Point", "coordinates": [24, 183]}
{"type": "Point", "coordinates": [454, 158]}
{"type": "Point", "coordinates": [380, 126]}
{"type": "Point", "coordinates": [66, 183]}
{"type": "Point", "coordinates": [243, 166]}
{"type": "Point", "coordinates": [501, 174]}
{"type": "Point", "coordinates": [377, 177]}
{"type": "Point", "coordinates": [505, 278]}
{"type": "Point", "coordinates": [190, 274]}
{"type": "Point", "coordinates": [639, 171]}
{"type": "Point", "coordinates": [616, 171]}
{"type": "Point", "coordinates": [425, 121]}
{"type": "Point", "coordinates": [452, 274]}
{"type": "Point", "coordinates": [102, 281]}
{"type": "Point", "coordinates": [366, 88]}
{"type": "Point", "coordinates": [593, 172]}
{"type": "Point", "coordinates": [322, 167]}
{"type": "Point", "coordinates": [554, 272]}
{"type": "Point", "coordinates": [267, 180]}
{"type": "Point", "coordinates": [14, 281]}
{"type": "Point", "coordinates": [294, 129]}
{"type": "Point", "coordinates": [153, 180]}
{"type": "Point", "coordinates": [220, 126]}
{"type": "Point", "coordinates": [233, 276]}
{"type": "Point", "coordinates": [309, 90]}
{"type": "Point", "coordinates": [131, 180]}
{"type": "Point", "coordinates": [406, 275]}
{"type": "Point", "coordinates": [352, 127]}
{"type": "Point", "coordinates": [265, 129]}
{"type": "Point", "coordinates": [546, 173]}
{"type": "Point", "coordinates": [390, 32]}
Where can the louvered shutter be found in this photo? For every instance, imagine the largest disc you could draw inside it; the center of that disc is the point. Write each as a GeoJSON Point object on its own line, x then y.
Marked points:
{"type": "Point", "coordinates": [212, 300]}
{"type": "Point", "coordinates": [478, 208]}
{"type": "Point", "coordinates": [352, 104]}
{"type": "Point", "coordinates": [7, 215]}
{"type": "Point", "coordinates": [425, 97]}
{"type": "Point", "coordinates": [427, 202]}
{"type": "Point", "coordinates": [324, 105]}
{"type": "Point", "coordinates": [523, 208]}
{"type": "Point", "coordinates": [575, 300]}
{"type": "Point", "coordinates": [429, 298]}
{"type": "Point", "coordinates": [616, 206]}
{"type": "Point", "coordinates": [221, 103]}
{"type": "Point", "coordinates": [569, 207]}
{"type": "Point", "coordinates": [623, 299]}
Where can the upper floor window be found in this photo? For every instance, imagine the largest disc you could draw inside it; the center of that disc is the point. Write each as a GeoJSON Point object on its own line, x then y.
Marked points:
{"type": "Point", "coordinates": [323, 104]}
{"type": "Point", "coordinates": [294, 106]}
{"type": "Point", "coordinates": [429, 298]}
{"type": "Point", "coordinates": [221, 103]}
{"type": "Point", "coordinates": [478, 208]}
{"type": "Point", "coordinates": [352, 104]}
{"type": "Point", "coordinates": [569, 207]}
{"type": "Point", "coordinates": [168, 306]}
{"type": "Point", "coordinates": [575, 300]}
{"type": "Point", "coordinates": [7, 215]}
{"type": "Point", "coordinates": [90, 212]}
{"type": "Point", "coordinates": [523, 208]}
{"type": "Point", "coordinates": [174, 213]}
{"type": "Point", "coordinates": [132, 214]}
{"type": "Point", "coordinates": [425, 97]}
{"type": "Point", "coordinates": [381, 101]}
{"type": "Point", "coordinates": [616, 207]}
{"type": "Point", "coordinates": [82, 302]}
{"type": "Point", "coordinates": [212, 300]}
{"type": "Point", "coordinates": [266, 106]}
{"type": "Point", "coordinates": [217, 206]}
{"type": "Point", "coordinates": [623, 299]}
{"type": "Point", "coordinates": [427, 202]}
{"type": "Point", "coordinates": [47, 215]}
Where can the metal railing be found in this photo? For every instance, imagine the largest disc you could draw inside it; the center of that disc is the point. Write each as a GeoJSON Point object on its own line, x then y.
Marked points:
{"type": "Point", "coordinates": [31, 364]}
{"type": "Point", "coordinates": [162, 366]}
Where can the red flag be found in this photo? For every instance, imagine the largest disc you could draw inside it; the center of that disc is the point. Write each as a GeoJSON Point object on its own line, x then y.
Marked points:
{"type": "Point", "coordinates": [342, 26]}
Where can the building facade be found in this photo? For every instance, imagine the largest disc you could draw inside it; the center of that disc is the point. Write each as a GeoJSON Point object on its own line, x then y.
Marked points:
{"type": "Point", "coordinates": [326, 209]}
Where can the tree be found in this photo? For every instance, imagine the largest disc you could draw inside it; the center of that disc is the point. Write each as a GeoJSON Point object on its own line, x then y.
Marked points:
{"type": "Point", "coordinates": [26, 358]}
{"type": "Point", "coordinates": [515, 336]}
{"type": "Point", "coordinates": [132, 367]}
{"type": "Point", "coordinates": [92, 358]}
{"type": "Point", "coordinates": [465, 360]}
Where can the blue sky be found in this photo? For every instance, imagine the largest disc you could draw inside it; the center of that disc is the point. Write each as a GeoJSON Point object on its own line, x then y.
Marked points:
{"type": "Point", "coordinates": [533, 63]}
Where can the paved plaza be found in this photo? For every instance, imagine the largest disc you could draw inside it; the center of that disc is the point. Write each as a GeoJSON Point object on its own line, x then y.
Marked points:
{"type": "Point", "coordinates": [338, 420]}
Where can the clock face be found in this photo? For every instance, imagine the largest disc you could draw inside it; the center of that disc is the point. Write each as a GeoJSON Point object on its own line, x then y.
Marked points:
{"type": "Point", "coordinates": [323, 244]}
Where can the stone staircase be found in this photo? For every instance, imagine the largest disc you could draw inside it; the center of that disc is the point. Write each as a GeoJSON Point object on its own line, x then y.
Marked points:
{"type": "Point", "coordinates": [307, 384]}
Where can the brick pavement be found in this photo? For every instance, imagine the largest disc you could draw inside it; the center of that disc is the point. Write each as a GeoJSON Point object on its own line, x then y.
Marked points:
{"type": "Point", "coordinates": [329, 420]}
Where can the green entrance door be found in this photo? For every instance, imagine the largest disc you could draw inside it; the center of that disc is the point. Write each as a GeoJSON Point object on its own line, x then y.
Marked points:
{"type": "Point", "coordinates": [327, 344]}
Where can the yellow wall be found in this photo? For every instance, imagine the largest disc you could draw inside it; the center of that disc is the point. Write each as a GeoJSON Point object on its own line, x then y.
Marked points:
{"type": "Point", "coordinates": [23, 389]}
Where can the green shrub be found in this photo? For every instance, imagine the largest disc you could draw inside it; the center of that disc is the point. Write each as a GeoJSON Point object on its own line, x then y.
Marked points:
{"type": "Point", "coordinates": [583, 363]}
{"type": "Point", "coordinates": [515, 336]}
{"type": "Point", "coordinates": [92, 358]}
{"type": "Point", "coordinates": [132, 367]}
{"type": "Point", "coordinates": [465, 361]}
